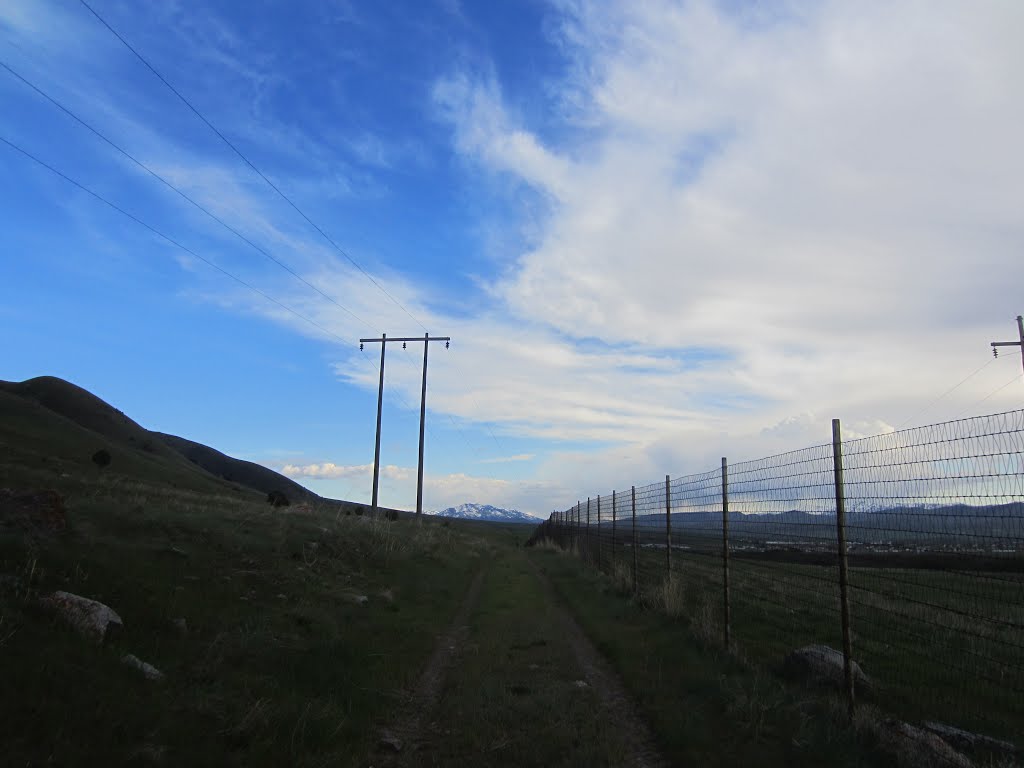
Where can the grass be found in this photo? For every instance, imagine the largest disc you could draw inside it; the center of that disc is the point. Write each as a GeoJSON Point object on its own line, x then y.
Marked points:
{"type": "Point", "coordinates": [707, 707]}
{"type": "Point", "coordinates": [282, 663]}
{"type": "Point", "coordinates": [513, 698]}
{"type": "Point", "coordinates": [939, 644]}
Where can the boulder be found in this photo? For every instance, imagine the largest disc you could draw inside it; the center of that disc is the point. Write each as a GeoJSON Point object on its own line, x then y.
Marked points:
{"type": "Point", "coordinates": [148, 670]}
{"type": "Point", "coordinates": [822, 665]}
{"type": "Point", "coordinates": [41, 510]}
{"type": "Point", "coordinates": [916, 748]}
{"type": "Point", "coordinates": [91, 618]}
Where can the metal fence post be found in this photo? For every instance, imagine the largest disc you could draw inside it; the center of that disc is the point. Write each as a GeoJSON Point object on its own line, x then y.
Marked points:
{"type": "Point", "coordinates": [613, 534]}
{"type": "Point", "coordinates": [635, 554]}
{"type": "Point", "coordinates": [599, 532]}
{"type": "Point", "coordinates": [844, 591]}
{"type": "Point", "coordinates": [576, 528]}
{"type": "Point", "coordinates": [725, 552]}
{"type": "Point", "coordinates": [668, 528]}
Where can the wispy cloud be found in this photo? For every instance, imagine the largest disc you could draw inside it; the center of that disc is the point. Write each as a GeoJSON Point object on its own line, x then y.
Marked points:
{"type": "Point", "coordinates": [507, 459]}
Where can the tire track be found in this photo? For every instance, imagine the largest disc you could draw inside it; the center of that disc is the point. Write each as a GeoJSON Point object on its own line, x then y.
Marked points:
{"type": "Point", "coordinates": [599, 675]}
{"type": "Point", "coordinates": [398, 740]}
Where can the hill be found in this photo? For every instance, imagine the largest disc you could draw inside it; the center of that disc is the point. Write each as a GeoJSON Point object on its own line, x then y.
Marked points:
{"type": "Point", "coordinates": [49, 422]}
{"type": "Point", "coordinates": [233, 470]}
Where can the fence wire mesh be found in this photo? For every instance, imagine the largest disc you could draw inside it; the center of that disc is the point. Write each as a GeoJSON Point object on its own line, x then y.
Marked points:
{"type": "Point", "coordinates": [934, 532]}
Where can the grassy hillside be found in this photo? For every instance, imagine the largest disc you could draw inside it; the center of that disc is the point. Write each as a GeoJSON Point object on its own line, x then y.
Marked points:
{"type": "Point", "coordinates": [244, 473]}
{"type": "Point", "coordinates": [56, 427]}
{"type": "Point", "coordinates": [301, 629]}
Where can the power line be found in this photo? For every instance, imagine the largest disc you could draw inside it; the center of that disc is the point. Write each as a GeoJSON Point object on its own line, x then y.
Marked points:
{"type": "Point", "coordinates": [193, 202]}
{"type": "Point", "coordinates": [948, 391]}
{"type": "Point", "coordinates": [176, 244]}
{"type": "Point", "coordinates": [170, 239]}
{"type": "Point", "coordinates": [248, 162]}
{"type": "Point", "coordinates": [182, 194]}
{"type": "Point", "coordinates": [990, 394]}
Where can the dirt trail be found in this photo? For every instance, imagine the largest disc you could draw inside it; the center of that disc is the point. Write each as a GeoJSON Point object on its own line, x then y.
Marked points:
{"type": "Point", "coordinates": [398, 740]}
{"type": "Point", "coordinates": [609, 688]}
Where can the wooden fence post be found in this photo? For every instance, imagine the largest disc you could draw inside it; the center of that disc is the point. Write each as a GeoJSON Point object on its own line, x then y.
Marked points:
{"type": "Point", "coordinates": [635, 554]}
{"type": "Point", "coordinates": [725, 552]}
{"type": "Point", "coordinates": [844, 580]}
{"type": "Point", "coordinates": [613, 534]}
{"type": "Point", "coordinates": [590, 550]}
{"type": "Point", "coordinates": [668, 528]}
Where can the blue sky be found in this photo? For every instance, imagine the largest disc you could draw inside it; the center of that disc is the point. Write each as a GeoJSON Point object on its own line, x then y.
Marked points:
{"type": "Point", "coordinates": [657, 233]}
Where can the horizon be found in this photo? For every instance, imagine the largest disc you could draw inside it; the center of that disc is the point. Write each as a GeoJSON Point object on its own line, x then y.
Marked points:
{"type": "Point", "coordinates": [656, 235]}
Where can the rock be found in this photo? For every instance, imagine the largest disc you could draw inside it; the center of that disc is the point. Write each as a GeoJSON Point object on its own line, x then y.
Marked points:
{"type": "Point", "coordinates": [822, 665]}
{"type": "Point", "coordinates": [962, 739]}
{"type": "Point", "coordinates": [91, 618]}
{"type": "Point", "coordinates": [913, 747]}
{"type": "Point", "coordinates": [33, 510]}
{"type": "Point", "coordinates": [581, 684]}
{"type": "Point", "coordinates": [391, 741]}
{"type": "Point", "coordinates": [181, 625]}
{"type": "Point", "coordinates": [150, 672]}
{"type": "Point", "coordinates": [154, 753]}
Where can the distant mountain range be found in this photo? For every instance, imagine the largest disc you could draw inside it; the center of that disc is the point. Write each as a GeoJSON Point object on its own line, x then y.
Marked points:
{"type": "Point", "coordinates": [993, 526]}
{"type": "Point", "coordinates": [486, 512]}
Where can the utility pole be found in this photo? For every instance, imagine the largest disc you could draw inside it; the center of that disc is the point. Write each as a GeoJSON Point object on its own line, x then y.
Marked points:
{"type": "Point", "coordinates": [383, 341]}
{"type": "Point", "coordinates": [1020, 343]}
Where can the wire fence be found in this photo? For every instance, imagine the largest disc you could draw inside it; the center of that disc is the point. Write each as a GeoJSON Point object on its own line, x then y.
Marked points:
{"type": "Point", "coordinates": [904, 551]}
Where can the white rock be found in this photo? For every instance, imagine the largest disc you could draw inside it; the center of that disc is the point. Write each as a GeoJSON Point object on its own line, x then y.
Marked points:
{"type": "Point", "coordinates": [91, 618]}
{"type": "Point", "coordinates": [823, 665]}
{"type": "Point", "coordinates": [151, 672]}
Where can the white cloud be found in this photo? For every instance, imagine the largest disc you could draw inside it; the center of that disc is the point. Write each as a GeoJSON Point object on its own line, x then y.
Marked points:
{"type": "Point", "coordinates": [506, 459]}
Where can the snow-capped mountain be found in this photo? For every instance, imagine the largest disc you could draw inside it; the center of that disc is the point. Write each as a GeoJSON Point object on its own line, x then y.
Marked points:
{"type": "Point", "coordinates": [486, 512]}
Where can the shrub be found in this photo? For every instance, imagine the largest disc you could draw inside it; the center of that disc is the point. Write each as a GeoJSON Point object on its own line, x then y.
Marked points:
{"type": "Point", "coordinates": [101, 458]}
{"type": "Point", "coordinates": [278, 499]}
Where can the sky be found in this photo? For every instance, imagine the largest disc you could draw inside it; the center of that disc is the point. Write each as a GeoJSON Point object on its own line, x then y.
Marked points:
{"type": "Point", "coordinates": [657, 233]}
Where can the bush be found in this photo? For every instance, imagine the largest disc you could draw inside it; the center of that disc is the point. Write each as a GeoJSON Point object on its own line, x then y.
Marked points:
{"type": "Point", "coordinates": [101, 458]}
{"type": "Point", "coordinates": [278, 499]}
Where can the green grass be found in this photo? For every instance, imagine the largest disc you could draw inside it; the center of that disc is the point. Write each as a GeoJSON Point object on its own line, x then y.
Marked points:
{"type": "Point", "coordinates": [928, 660]}
{"type": "Point", "coordinates": [707, 707]}
{"type": "Point", "coordinates": [281, 664]}
{"type": "Point", "coordinates": [513, 698]}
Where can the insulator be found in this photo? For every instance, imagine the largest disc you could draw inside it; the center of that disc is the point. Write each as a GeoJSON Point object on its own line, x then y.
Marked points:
{"type": "Point", "coordinates": [403, 345]}
{"type": "Point", "coordinates": [446, 344]}
{"type": "Point", "coordinates": [360, 346]}
{"type": "Point", "coordinates": [995, 351]}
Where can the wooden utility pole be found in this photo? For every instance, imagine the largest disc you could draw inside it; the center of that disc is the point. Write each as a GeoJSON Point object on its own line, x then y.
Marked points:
{"type": "Point", "coordinates": [1019, 343]}
{"type": "Point", "coordinates": [383, 341]}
